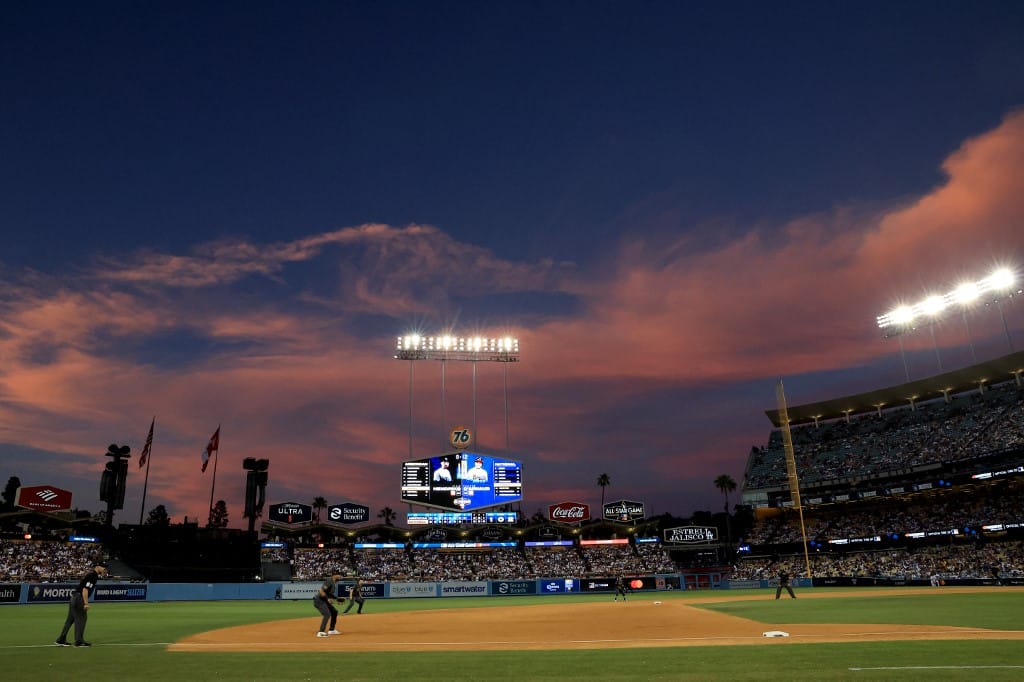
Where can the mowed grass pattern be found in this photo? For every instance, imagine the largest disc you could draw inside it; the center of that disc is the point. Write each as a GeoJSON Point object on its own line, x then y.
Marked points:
{"type": "Point", "coordinates": [130, 643]}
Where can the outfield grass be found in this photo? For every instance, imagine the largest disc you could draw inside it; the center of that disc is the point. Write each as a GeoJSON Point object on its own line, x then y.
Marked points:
{"type": "Point", "coordinates": [130, 644]}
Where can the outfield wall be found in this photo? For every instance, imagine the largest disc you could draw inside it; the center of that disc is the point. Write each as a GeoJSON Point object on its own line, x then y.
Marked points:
{"type": "Point", "coordinates": [50, 593]}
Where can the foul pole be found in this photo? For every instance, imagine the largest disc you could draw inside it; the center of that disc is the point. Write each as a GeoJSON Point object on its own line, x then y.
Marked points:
{"type": "Point", "coordinates": [794, 481]}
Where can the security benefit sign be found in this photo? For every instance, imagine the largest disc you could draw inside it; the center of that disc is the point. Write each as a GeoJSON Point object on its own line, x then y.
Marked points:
{"type": "Point", "coordinates": [291, 512]}
{"type": "Point", "coordinates": [47, 498]}
{"type": "Point", "coordinates": [624, 510]}
{"type": "Point", "coordinates": [691, 535]}
{"type": "Point", "coordinates": [348, 513]}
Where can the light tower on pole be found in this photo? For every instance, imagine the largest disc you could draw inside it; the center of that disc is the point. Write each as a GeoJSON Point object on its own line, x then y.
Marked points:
{"type": "Point", "coordinates": [998, 286]}
{"type": "Point", "coordinates": [445, 348]}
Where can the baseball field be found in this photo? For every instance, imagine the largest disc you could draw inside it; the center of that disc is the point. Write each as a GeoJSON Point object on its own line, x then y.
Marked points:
{"type": "Point", "coordinates": [830, 634]}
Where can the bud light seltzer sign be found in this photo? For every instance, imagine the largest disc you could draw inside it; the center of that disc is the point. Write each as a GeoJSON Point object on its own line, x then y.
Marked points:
{"type": "Point", "coordinates": [689, 535]}
{"type": "Point", "coordinates": [569, 512]}
{"type": "Point", "coordinates": [624, 510]}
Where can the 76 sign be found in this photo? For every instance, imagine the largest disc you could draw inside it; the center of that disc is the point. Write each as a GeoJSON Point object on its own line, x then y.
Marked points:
{"type": "Point", "coordinates": [460, 437]}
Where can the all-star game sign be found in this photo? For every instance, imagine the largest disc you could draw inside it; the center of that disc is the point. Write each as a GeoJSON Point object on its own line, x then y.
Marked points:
{"type": "Point", "coordinates": [460, 437]}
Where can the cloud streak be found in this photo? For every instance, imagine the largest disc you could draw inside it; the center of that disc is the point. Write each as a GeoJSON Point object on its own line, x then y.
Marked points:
{"type": "Point", "coordinates": [656, 375]}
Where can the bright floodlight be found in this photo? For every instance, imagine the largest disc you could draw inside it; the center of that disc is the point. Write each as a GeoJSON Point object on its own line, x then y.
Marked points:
{"type": "Point", "coordinates": [998, 284]}
{"type": "Point", "coordinates": [967, 293]}
{"type": "Point", "coordinates": [447, 347]}
{"type": "Point", "coordinates": [1001, 280]}
{"type": "Point", "coordinates": [933, 305]}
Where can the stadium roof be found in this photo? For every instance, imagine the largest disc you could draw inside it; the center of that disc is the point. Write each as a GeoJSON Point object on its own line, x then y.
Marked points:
{"type": "Point", "coordinates": [958, 381]}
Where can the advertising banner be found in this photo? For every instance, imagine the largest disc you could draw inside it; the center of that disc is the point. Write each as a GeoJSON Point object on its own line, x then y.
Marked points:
{"type": "Point", "coordinates": [597, 584]}
{"type": "Point", "coordinates": [291, 512]}
{"type": "Point", "coordinates": [556, 586]}
{"type": "Point", "coordinates": [689, 535]}
{"type": "Point", "coordinates": [513, 587]}
{"type": "Point", "coordinates": [120, 592]}
{"type": "Point", "coordinates": [460, 588]}
{"type": "Point", "coordinates": [61, 592]}
{"type": "Point", "coordinates": [348, 513]}
{"type": "Point", "coordinates": [369, 590]}
{"type": "Point", "coordinates": [10, 593]}
{"type": "Point", "coordinates": [47, 498]}
{"type": "Point", "coordinates": [412, 590]}
{"type": "Point", "coordinates": [569, 512]}
{"type": "Point", "coordinates": [299, 590]}
{"type": "Point", "coordinates": [624, 510]}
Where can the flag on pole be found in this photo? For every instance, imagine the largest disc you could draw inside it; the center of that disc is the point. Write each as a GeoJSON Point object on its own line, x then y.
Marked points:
{"type": "Point", "coordinates": [148, 446]}
{"type": "Point", "coordinates": [211, 448]}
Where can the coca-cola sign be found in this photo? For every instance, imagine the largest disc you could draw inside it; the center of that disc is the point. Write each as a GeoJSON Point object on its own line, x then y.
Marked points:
{"type": "Point", "coordinates": [569, 512]}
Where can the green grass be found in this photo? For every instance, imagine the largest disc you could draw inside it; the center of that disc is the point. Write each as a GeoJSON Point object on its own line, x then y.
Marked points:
{"type": "Point", "coordinates": [130, 644]}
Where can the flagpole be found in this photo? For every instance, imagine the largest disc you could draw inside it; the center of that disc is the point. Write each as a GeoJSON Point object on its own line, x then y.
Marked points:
{"type": "Point", "coordinates": [213, 483]}
{"type": "Point", "coordinates": [149, 457]}
{"type": "Point", "coordinates": [144, 486]}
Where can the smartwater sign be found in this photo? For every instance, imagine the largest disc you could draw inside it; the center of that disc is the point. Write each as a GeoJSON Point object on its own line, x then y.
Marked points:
{"type": "Point", "coordinates": [460, 588]}
{"type": "Point", "coordinates": [348, 513]}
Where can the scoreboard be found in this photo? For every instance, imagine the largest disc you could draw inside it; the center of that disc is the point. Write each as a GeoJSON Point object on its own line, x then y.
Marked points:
{"type": "Point", "coordinates": [462, 481]}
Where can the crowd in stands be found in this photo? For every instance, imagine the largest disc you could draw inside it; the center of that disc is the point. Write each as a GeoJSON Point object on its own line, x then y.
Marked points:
{"type": "Point", "coordinates": [970, 425]}
{"type": "Point", "coordinates": [998, 503]}
{"type": "Point", "coordinates": [503, 563]}
{"type": "Point", "coordinates": [36, 561]}
{"type": "Point", "coordinates": [1005, 560]}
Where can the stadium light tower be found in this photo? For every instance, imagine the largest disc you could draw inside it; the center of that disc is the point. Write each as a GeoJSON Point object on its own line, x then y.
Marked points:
{"type": "Point", "coordinates": [999, 285]}
{"type": "Point", "coordinates": [445, 347]}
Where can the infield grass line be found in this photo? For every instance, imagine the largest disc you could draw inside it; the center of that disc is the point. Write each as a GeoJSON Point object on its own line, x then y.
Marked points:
{"type": "Point", "coordinates": [939, 667]}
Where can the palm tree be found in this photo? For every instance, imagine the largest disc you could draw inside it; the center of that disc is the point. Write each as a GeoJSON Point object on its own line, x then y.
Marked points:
{"type": "Point", "coordinates": [604, 482]}
{"type": "Point", "coordinates": [726, 485]}
{"type": "Point", "coordinates": [388, 514]}
{"type": "Point", "coordinates": [319, 504]}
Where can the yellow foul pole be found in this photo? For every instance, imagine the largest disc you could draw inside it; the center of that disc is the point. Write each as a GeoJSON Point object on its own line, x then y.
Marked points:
{"type": "Point", "coordinates": [794, 481]}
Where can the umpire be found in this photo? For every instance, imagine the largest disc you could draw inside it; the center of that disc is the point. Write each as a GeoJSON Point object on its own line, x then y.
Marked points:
{"type": "Point", "coordinates": [322, 602]}
{"type": "Point", "coordinates": [78, 606]}
{"type": "Point", "coordinates": [784, 585]}
{"type": "Point", "coordinates": [355, 596]}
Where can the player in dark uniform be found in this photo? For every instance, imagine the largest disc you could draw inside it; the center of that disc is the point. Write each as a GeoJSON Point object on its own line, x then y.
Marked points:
{"type": "Point", "coordinates": [620, 588]}
{"type": "Point", "coordinates": [355, 596]}
{"type": "Point", "coordinates": [78, 607]}
{"type": "Point", "coordinates": [322, 602]}
{"type": "Point", "coordinates": [784, 585]}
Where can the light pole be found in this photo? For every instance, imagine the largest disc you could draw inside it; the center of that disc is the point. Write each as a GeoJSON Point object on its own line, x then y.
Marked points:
{"type": "Point", "coordinates": [459, 349]}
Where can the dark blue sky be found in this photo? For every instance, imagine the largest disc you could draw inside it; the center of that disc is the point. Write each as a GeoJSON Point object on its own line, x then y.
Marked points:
{"type": "Point", "coordinates": [177, 174]}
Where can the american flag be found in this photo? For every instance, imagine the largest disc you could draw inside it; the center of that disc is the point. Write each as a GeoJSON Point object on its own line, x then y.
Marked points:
{"type": "Point", "coordinates": [211, 448]}
{"type": "Point", "coordinates": [148, 446]}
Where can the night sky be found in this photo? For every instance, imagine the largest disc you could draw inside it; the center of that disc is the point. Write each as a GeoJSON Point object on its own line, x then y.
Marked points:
{"type": "Point", "coordinates": [225, 213]}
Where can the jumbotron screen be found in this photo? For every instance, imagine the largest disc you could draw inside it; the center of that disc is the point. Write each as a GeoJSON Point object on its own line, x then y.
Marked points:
{"type": "Point", "coordinates": [462, 481]}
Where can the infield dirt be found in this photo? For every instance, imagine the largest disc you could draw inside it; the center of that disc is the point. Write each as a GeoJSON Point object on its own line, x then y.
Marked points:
{"type": "Point", "coordinates": [638, 622]}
